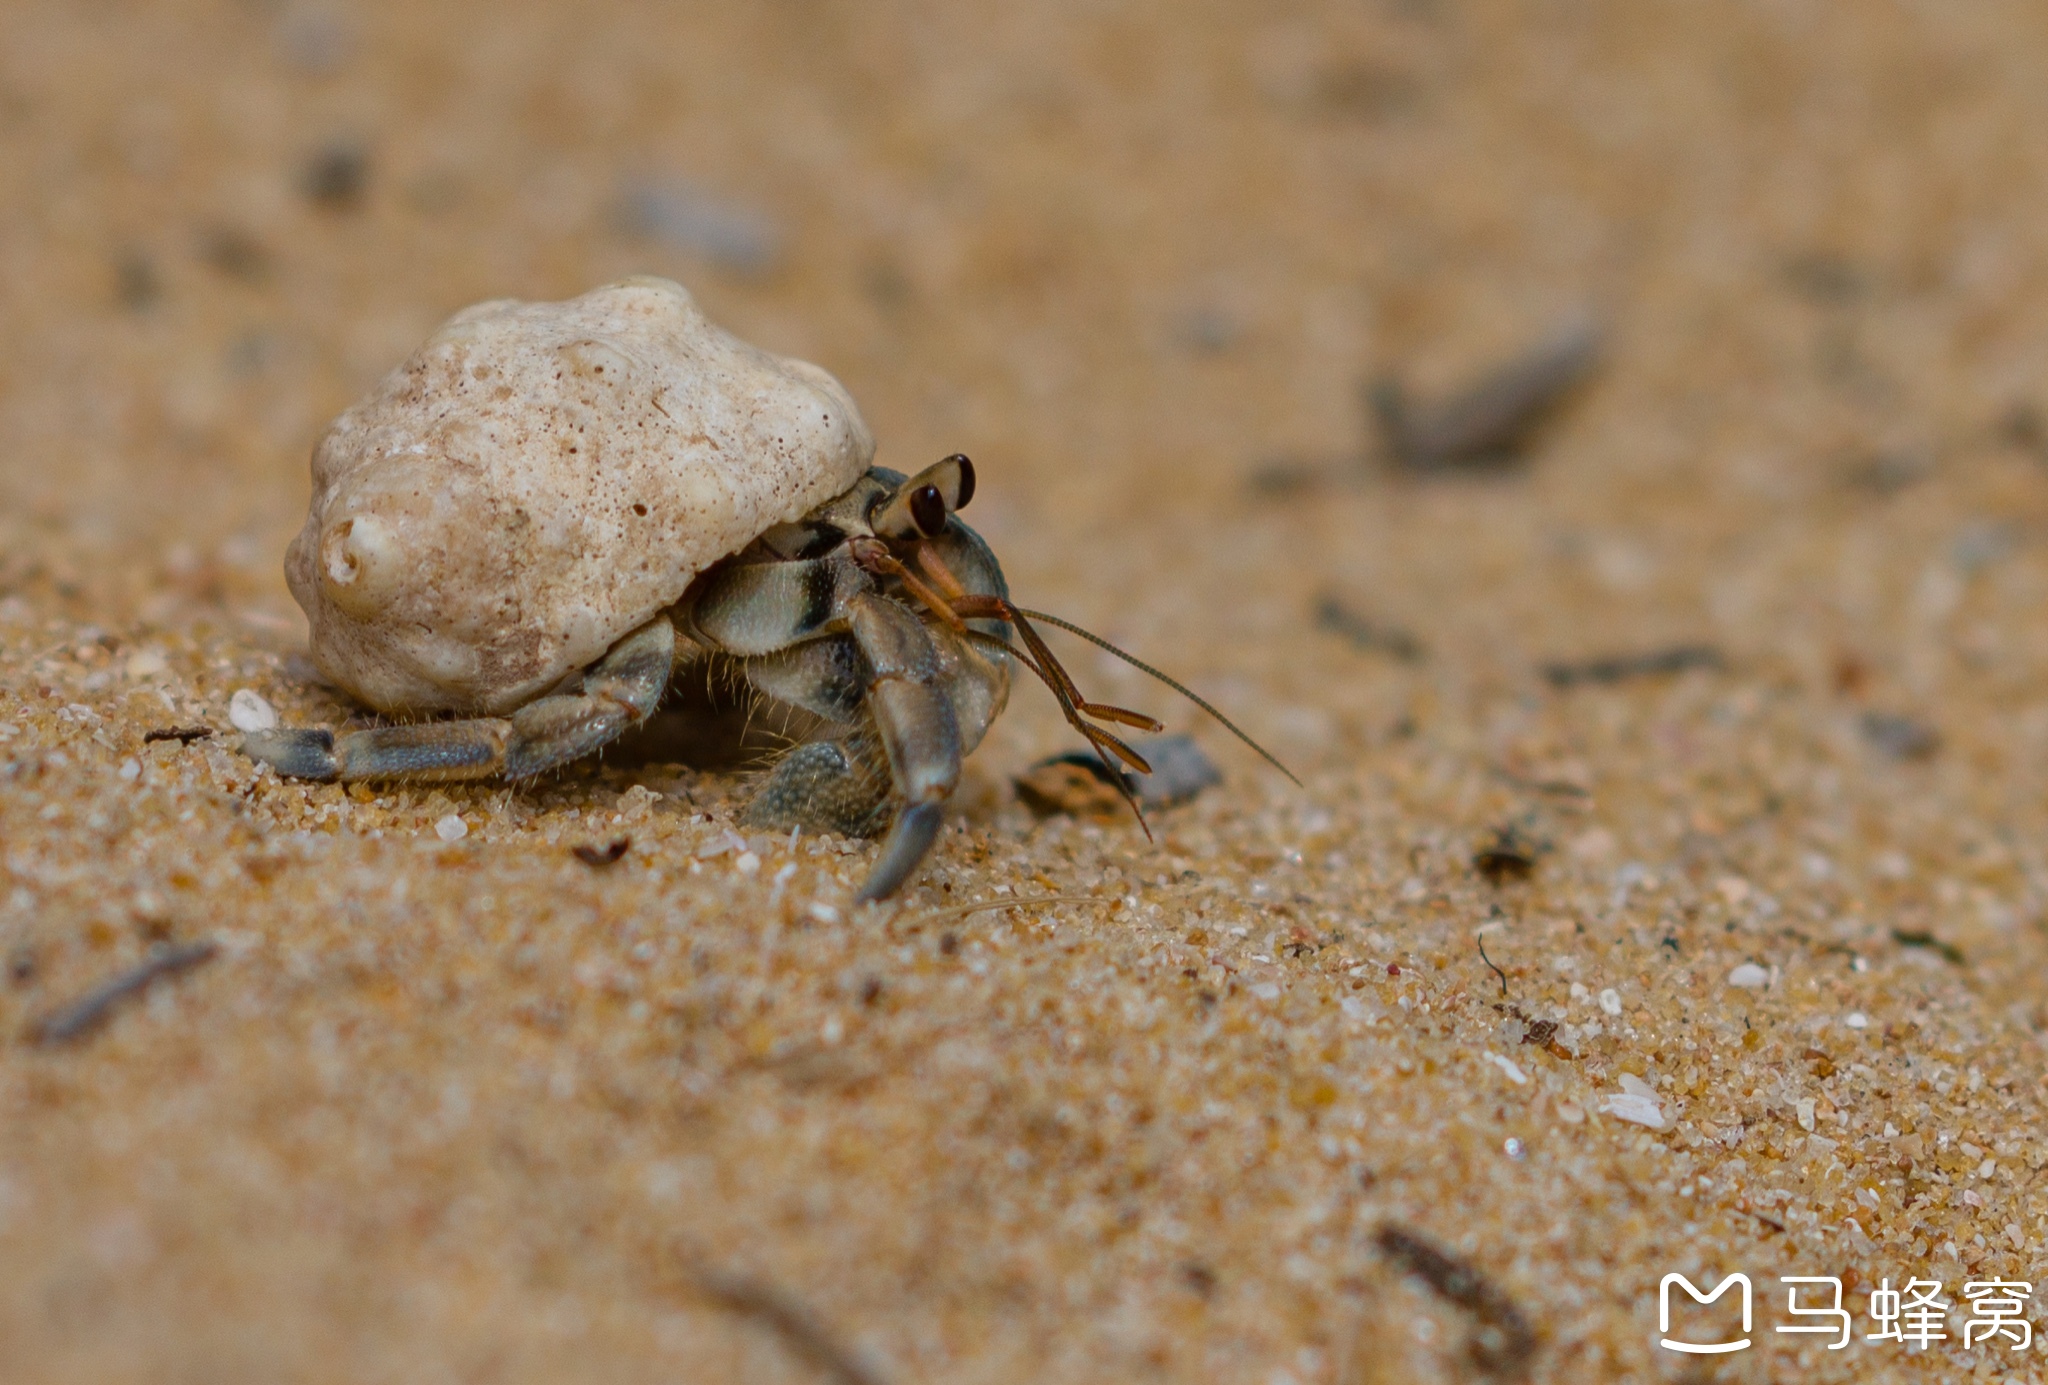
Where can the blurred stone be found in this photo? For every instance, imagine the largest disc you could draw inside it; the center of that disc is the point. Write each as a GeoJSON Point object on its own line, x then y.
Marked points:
{"type": "Point", "coordinates": [686, 216]}
{"type": "Point", "coordinates": [1900, 737]}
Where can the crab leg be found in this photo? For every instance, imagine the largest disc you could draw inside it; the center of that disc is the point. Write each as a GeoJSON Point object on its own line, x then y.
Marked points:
{"type": "Point", "coordinates": [620, 691]}
{"type": "Point", "coordinates": [919, 734]}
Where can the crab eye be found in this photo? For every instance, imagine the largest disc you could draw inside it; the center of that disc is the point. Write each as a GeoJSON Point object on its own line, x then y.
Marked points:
{"type": "Point", "coordinates": [965, 482]}
{"type": "Point", "coordinates": [928, 510]}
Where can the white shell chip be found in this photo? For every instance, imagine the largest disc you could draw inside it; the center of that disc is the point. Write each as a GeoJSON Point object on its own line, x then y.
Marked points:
{"type": "Point", "coordinates": [247, 711]}
{"type": "Point", "coordinates": [542, 478]}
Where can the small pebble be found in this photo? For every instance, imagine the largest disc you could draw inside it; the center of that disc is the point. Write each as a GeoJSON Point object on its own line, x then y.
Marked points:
{"type": "Point", "coordinates": [248, 712]}
{"type": "Point", "coordinates": [1513, 1148]}
{"type": "Point", "coordinates": [1180, 770]}
{"type": "Point", "coordinates": [451, 828]}
{"type": "Point", "coordinates": [746, 863]}
{"type": "Point", "coordinates": [1749, 977]}
{"type": "Point", "coordinates": [1856, 1019]}
{"type": "Point", "coordinates": [1610, 1001]}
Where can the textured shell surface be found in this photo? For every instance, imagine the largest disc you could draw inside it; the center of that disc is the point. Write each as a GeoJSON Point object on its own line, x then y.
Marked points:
{"type": "Point", "coordinates": [541, 478]}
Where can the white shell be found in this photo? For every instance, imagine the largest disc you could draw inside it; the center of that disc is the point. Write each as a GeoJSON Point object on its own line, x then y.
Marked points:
{"type": "Point", "coordinates": [541, 478]}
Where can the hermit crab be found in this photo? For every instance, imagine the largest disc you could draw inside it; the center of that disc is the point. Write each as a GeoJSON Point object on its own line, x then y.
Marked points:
{"type": "Point", "coordinates": [527, 531]}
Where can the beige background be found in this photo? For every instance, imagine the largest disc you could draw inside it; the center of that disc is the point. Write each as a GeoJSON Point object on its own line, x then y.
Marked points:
{"type": "Point", "coordinates": [474, 1111]}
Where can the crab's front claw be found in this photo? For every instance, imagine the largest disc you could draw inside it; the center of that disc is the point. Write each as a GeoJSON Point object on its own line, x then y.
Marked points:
{"type": "Point", "coordinates": [296, 754]}
{"type": "Point", "coordinates": [910, 837]}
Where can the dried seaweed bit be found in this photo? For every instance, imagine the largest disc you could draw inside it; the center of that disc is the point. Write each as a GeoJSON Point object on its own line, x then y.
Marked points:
{"type": "Point", "coordinates": [1365, 635]}
{"type": "Point", "coordinates": [1559, 788]}
{"type": "Point", "coordinates": [1481, 942]}
{"type": "Point", "coordinates": [1900, 737]}
{"type": "Point", "coordinates": [235, 253]}
{"type": "Point", "coordinates": [1908, 937]}
{"type": "Point", "coordinates": [136, 283]}
{"type": "Point", "coordinates": [91, 1010]}
{"type": "Point", "coordinates": [1507, 857]}
{"type": "Point", "coordinates": [799, 1328]}
{"type": "Point", "coordinates": [1491, 423]}
{"type": "Point", "coordinates": [597, 857]}
{"type": "Point", "coordinates": [1886, 473]}
{"type": "Point", "coordinates": [1826, 278]}
{"type": "Point", "coordinates": [1502, 1341]}
{"type": "Point", "coordinates": [1619, 668]}
{"type": "Point", "coordinates": [183, 735]}
{"type": "Point", "coordinates": [961, 911]}
{"type": "Point", "coordinates": [1080, 784]}
{"type": "Point", "coordinates": [2023, 426]}
{"type": "Point", "coordinates": [1280, 477]}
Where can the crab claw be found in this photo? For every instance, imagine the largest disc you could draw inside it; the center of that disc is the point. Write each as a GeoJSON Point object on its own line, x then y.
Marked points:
{"type": "Point", "coordinates": [912, 835]}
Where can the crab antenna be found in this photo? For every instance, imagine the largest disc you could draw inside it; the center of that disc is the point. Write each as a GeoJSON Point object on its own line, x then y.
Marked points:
{"type": "Point", "coordinates": [1075, 712]}
{"type": "Point", "coordinates": [1108, 749]}
{"type": "Point", "coordinates": [1178, 687]}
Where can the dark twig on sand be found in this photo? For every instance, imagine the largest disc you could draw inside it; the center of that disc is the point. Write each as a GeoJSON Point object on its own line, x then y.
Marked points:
{"type": "Point", "coordinates": [1619, 668]}
{"type": "Point", "coordinates": [799, 1328]}
{"type": "Point", "coordinates": [183, 735]}
{"type": "Point", "coordinates": [1364, 634]}
{"type": "Point", "coordinates": [1502, 1340]}
{"type": "Point", "coordinates": [91, 1010]}
{"type": "Point", "coordinates": [1949, 952]}
{"type": "Point", "coordinates": [1491, 422]}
